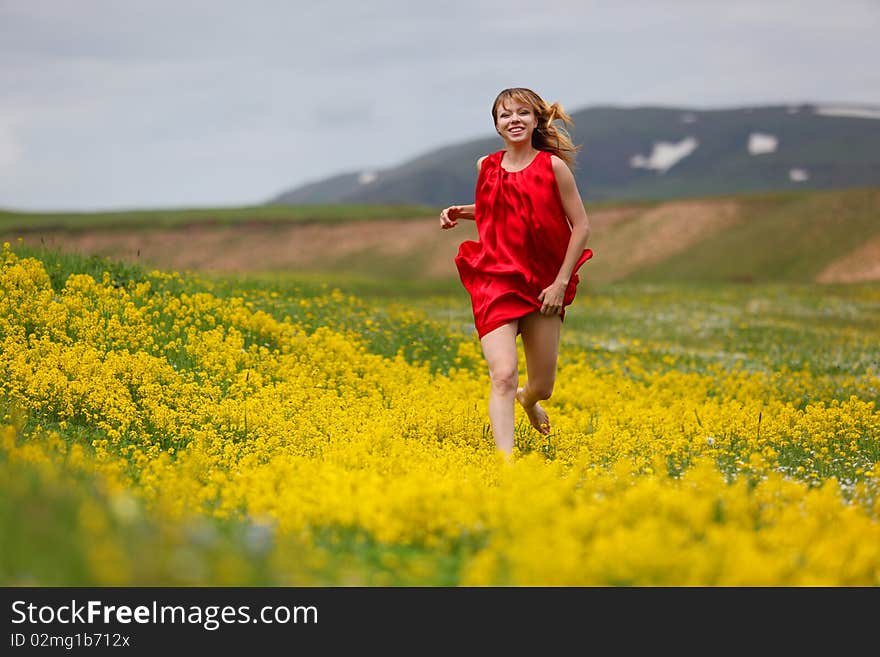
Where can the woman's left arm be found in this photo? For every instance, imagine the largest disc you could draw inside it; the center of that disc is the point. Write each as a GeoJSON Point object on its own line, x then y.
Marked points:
{"type": "Point", "coordinates": [577, 215]}
{"type": "Point", "coordinates": [553, 295]}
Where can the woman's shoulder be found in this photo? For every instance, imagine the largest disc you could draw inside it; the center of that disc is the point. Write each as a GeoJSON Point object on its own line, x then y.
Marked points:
{"type": "Point", "coordinates": [496, 155]}
{"type": "Point", "coordinates": [560, 166]}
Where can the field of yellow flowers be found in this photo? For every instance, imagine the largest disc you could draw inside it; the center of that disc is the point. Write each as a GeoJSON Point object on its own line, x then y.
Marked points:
{"type": "Point", "coordinates": [159, 429]}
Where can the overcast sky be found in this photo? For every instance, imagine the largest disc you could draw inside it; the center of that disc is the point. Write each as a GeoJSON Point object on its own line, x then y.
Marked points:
{"type": "Point", "coordinates": [184, 103]}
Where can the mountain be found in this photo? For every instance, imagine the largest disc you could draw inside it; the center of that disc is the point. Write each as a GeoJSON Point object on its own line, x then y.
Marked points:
{"type": "Point", "coordinates": [651, 153]}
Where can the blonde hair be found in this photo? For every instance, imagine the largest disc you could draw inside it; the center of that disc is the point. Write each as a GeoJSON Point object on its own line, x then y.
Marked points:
{"type": "Point", "coordinates": [547, 136]}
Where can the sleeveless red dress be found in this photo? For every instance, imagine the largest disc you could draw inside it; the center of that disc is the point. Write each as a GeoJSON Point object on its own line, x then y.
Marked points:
{"type": "Point", "coordinates": [524, 235]}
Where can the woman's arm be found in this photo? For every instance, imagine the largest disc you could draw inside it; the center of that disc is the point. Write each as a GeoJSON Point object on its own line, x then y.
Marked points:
{"type": "Point", "coordinates": [450, 216]}
{"type": "Point", "coordinates": [553, 295]}
{"type": "Point", "coordinates": [577, 215]}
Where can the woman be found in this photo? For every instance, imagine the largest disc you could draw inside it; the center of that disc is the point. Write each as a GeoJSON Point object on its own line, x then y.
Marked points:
{"type": "Point", "coordinates": [522, 273]}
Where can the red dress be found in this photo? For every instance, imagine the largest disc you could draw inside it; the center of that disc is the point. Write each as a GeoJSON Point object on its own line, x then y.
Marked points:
{"type": "Point", "coordinates": [524, 235]}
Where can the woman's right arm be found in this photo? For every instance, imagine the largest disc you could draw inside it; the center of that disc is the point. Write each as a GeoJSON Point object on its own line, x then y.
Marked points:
{"type": "Point", "coordinates": [450, 216]}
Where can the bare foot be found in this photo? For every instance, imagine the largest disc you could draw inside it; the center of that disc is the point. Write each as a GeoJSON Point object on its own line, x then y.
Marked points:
{"type": "Point", "coordinates": [537, 415]}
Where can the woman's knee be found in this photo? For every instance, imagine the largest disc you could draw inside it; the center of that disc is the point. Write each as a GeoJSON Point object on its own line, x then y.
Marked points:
{"type": "Point", "coordinates": [541, 389]}
{"type": "Point", "coordinates": [504, 377]}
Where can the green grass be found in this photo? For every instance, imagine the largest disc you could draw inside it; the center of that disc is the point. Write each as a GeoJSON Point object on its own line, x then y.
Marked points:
{"type": "Point", "coordinates": [61, 264]}
{"type": "Point", "coordinates": [147, 219]}
{"type": "Point", "coordinates": [831, 330]}
{"type": "Point", "coordinates": [784, 238]}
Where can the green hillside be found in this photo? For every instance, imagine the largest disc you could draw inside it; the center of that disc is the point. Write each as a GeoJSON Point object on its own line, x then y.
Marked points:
{"type": "Point", "coordinates": [782, 238]}
{"type": "Point", "coordinates": [163, 218]}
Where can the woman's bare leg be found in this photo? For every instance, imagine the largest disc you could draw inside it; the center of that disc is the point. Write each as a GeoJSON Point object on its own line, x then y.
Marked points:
{"type": "Point", "coordinates": [499, 348]}
{"type": "Point", "coordinates": [540, 334]}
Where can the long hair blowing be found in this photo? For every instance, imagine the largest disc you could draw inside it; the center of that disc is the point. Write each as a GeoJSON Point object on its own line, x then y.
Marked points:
{"type": "Point", "coordinates": [547, 135]}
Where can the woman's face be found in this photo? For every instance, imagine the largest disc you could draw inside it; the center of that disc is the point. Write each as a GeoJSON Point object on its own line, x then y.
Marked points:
{"type": "Point", "coordinates": [516, 121]}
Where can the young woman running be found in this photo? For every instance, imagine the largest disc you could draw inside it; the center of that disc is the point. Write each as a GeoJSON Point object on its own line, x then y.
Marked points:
{"type": "Point", "coordinates": [522, 272]}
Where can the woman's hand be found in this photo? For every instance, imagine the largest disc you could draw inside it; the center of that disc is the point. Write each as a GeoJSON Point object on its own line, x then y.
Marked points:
{"type": "Point", "coordinates": [552, 296]}
{"type": "Point", "coordinates": [450, 216]}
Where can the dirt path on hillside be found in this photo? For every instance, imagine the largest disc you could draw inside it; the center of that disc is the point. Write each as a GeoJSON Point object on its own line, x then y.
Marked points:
{"type": "Point", "coordinates": [624, 239]}
{"type": "Point", "coordinates": [268, 247]}
{"type": "Point", "coordinates": [859, 266]}
{"type": "Point", "coordinates": [250, 247]}
{"type": "Point", "coordinates": [639, 239]}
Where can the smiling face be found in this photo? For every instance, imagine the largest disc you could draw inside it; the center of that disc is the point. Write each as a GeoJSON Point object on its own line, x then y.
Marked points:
{"type": "Point", "coordinates": [515, 120]}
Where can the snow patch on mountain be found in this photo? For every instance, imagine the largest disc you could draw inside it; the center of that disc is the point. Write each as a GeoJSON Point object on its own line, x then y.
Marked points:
{"type": "Point", "coordinates": [665, 155]}
{"type": "Point", "coordinates": [762, 143]}
{"type": "Point", "coordinates": [851, 112]}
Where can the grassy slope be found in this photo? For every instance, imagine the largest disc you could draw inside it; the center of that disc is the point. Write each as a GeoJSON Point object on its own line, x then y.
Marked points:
{"type": "Point", "coordinates": [12, 220]}
{"type": "Point", "coordinates": [785, 237]}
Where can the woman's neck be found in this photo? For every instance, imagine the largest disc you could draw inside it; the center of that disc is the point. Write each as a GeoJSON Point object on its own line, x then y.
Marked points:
{"type": "Point", "coordinates": [520, 153]}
